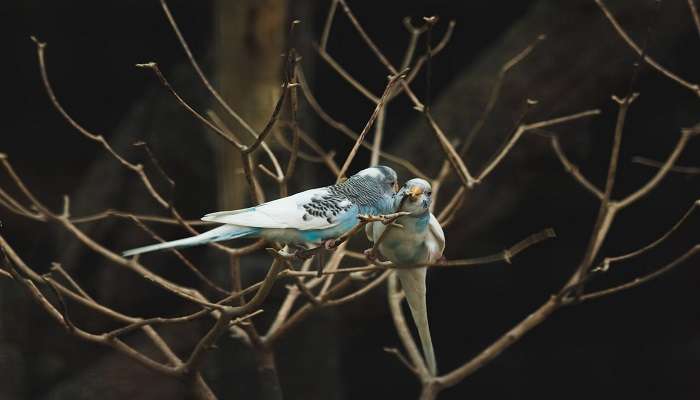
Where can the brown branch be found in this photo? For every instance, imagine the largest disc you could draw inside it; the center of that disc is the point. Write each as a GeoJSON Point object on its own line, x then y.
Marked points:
{"type": "Point", "coordinates": [605, 265]}
{"type": "Point", "coordinates": [529, 127]}
{"type": "Point", "coordinates": [496, 348]}
{"type": "Point", "coordinates": [159, 168]}
{"type": "Point", "coordinates": [467, 179]}
{"type": "Point", "coordinates": [505, 255]}
{"type": "Point", "coordinates": [495, 92]}
{"type": "Point", "coordinates": [156, 70]}
{"type": "Point", "coordinates": [359, 293]}
{"type": "Point", "coordinates": [437, 183]}
{"type": "Point", "coordinates": [382, 100]}
{"type": "Point", "coordinates": [80, 296]}
{"type": "Point", "coordinates": [137, 168]}
{"type": "Point", "coordinates": [686, 134]}
{"type": "Point", "coordinates": [450, 210]}
{"type": "Point", "coordinates": [694, 12]}
{"type": "Point", "coordinates": [382, 58]}
{"type": "Point", "coordinates": [637, 49]}
{"type": "Point", "coordinates": [221, 325]}
{"type": "Point", "coordinates": [200, 73]}
{"type": "Point", "coordinates": [294, 110]}
{"type": "Point", "coordinates": [328, 24]}
{"type": "Point", "coordinates": [643, 279]}
{"type": "Point", "coordinates": [325, 297]}
{"type": "Point", "coordinates": [607, 209]}
{"type": "Point", "coordinates": [572, 169]}
{"type": "Point", "coordinates": [64, 221]}
{"type": "Point", "coordinates": [220, 123]}
{"type": "Point", "coordinates": [418, 65]}
{"type": "Point", "coordinates": [346, 75]}
{"type": "Point", "coordinates": [182, 258]}
{"type": "Point", "coordinates": [455, 160]}
{"type": "Point", "coordinates": [62, 319]}
{"type": "Point", "coordinates": [323, 156]}
{"type": "Point", "coordinates": [270, 122]}
{"type": "Point", "coordinates": [302, 155]}
{"type": "Point", "coordinates": [401, 358]}
{"type": "Point", "coordinates": [14, 206]}
{"type": "Point", "coordinates": [656, 164]}
{"type": "Point", "coordinates": [341, 127]}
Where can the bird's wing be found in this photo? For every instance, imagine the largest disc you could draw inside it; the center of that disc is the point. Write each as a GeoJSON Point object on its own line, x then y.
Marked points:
{"type": "Point", "coordinates": [311, 209]}
{"type": "Point", "coordinates": [369, 231]}
{"type": "Point", "coordinates": [374, 231]}
{"type": "Point", "coordinates": [437, 236]}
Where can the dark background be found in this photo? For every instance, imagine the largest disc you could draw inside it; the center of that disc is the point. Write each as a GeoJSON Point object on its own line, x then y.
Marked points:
{"type": "Point", "coordinates": [643, 343]}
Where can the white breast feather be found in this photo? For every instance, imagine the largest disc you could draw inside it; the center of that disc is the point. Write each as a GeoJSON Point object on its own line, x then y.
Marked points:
{"type": "Point", "coordinates": [434, 236]}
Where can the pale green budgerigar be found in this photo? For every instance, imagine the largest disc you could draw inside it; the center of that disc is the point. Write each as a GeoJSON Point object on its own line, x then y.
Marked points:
{"type": "Point", "coordinates": [420, 241]}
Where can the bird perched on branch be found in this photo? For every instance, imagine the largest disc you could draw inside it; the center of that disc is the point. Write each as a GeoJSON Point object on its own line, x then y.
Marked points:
{"type": "Point", "coordinates": [419, 240]}
{"type": "Point", "coordinates": [311, 217]}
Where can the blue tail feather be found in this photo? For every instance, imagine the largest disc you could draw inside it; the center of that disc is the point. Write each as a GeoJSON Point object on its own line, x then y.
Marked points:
{"type": "Point", "coordinates": [224, 232]}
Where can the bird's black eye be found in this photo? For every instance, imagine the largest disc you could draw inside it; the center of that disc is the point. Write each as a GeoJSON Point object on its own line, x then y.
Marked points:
{"type": "Point", "coordinates": [429, 193]}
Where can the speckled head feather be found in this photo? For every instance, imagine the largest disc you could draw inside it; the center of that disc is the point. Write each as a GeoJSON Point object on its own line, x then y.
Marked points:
{"type": "Point", "coordinates": [415, 196]}
{"type": "Point", "coordinates": [368, 187]}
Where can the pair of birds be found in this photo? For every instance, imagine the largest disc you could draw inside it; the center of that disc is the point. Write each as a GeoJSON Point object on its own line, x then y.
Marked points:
{"type": "Point", "coordinates": [315, 216]}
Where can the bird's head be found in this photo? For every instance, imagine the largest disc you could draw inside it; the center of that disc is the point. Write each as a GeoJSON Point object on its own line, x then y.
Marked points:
{"type": "Point", "coordinates": [385, 176]}
{"type": "Point", "coordinates": [415, 196]}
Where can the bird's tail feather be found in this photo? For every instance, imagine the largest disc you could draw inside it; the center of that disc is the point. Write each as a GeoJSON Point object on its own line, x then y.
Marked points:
{"type": "Point", "coordinates": [224, 232]}
{"type": "Point", "coordinates": [413, 284]}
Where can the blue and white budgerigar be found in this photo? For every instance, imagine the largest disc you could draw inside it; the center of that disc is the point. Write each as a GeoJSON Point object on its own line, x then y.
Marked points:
{"type": "Point", "coordinates": [307, 218]}
{"type": "Point", "coordinates": [420, 241]}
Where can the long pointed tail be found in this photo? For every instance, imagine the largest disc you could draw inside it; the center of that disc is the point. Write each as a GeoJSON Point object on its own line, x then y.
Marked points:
{"type": "Point", "coordinates": [413, 283]}
{"type": "Point", "coordinates": [224, 232]}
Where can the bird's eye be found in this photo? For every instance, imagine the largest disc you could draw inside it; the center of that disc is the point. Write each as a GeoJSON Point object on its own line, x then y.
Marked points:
{"type": "Point", "coordinates": [429, 193]}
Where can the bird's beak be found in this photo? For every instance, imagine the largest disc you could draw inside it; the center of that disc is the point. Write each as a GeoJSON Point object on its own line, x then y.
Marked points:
{"type": "Point", "coordinates": [414, 192]}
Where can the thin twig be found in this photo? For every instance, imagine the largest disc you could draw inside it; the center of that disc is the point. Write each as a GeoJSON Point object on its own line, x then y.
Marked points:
{"type": "Point", "coordinates": [328, 24]}
{"type": "Point", "coordinates": [137, 168]}
{"type": "Point", "coordinates": [401, 358]}
{"type": "Point", "coordinates": [686, 135]}
{"type": "Point", "coordinates": [694, 12]}
{"type": "Point", "coordinates": [572, 169]}
{"type": "Point", "coordinates": [495, 92]}
{"type": "Point", "coordinates": [346, 76]}
{"type": "Point", "coordinates": [341, 127]}
{"type": "Point", "coordinates": [605, 265]}
{"type": "Point", "coordinates": [643, 279]}
{"type": "Point", "coordinates": [182, 258]}
{"type": "Point", "coordinates": [656, 164]}
{"type": "Point", "coordinates": [529, 127]}
{"type": "Point", "coordinates": [634, 46]}
{"type": "Point", "coordinates": [382, 100]}
{"type": "Point", "coordinates": [156, 70]}
{"type": "Point", "coordinates": [200, 73]}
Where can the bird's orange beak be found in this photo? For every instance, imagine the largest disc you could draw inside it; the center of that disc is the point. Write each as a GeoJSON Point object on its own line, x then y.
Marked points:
{"type": "Point", "coordinates": [414, 192]}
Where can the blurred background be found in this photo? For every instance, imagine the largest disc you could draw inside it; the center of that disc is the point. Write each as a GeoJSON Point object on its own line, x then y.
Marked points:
{"type": "Point", "coordinates": [642, 343]}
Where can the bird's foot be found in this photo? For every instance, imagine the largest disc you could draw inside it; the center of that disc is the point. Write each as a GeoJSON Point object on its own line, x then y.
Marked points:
{"type": "Point", "coordinates": [304, 254]}
{"type": "Point", "coordinates": [329, 244]}
{"type": "Point", "coordinates": [371, 255]}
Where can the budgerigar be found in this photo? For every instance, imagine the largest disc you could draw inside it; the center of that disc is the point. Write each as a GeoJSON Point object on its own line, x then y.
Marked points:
{"type": "Point", "coordinates": [421, 241]}
{"type": "Point", "coordinates": [306, 218]}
